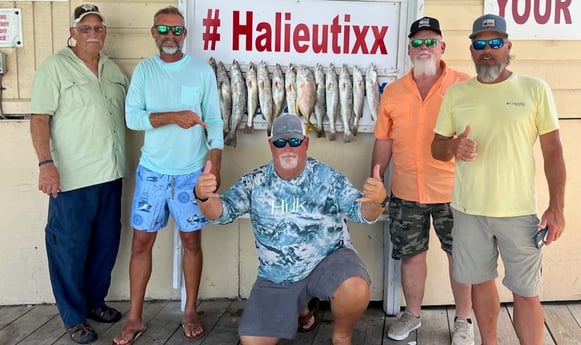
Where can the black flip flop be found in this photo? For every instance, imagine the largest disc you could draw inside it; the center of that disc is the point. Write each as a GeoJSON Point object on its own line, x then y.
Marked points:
{"type": "Point", "coordinates": [313, 307]}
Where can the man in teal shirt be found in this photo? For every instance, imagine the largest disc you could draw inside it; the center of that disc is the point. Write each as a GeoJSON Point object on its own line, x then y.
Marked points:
{"type": "Point", "coordinates": [78, 132]}
{"type": "Point", "coordinates": [173, 98]}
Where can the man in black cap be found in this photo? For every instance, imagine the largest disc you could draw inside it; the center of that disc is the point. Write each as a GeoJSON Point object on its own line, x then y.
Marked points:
{"type": "Point", "coordinates": [421, 186]}
{"type": "Point", "coordinates": [490, 124]}
{"type": "Point", "coordinates": [78, 132]}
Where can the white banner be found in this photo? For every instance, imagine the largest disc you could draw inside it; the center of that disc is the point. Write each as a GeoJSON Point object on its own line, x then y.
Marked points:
{"type": "Point", "coordinates": [539, 19]}
{"type": "Point", "coordinates": [301, 32]}
{"type": "Point", "coordinates": [10, 27]}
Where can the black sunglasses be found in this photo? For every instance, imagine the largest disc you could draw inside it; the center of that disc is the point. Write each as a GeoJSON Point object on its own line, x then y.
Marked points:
{"type": "Point", "coordinates": [495, 43]}
{"type": "Point", "coordinates": [429, 42]}
{"type": "Point", "coordinates": [293, 142]}
{"type": "Point", "coordinates": [177, 30]}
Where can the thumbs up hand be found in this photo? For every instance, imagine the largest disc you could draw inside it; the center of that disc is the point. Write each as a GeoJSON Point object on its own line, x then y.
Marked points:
{"type": "Point", "coordinates": [465, 148]}
{"type": "Point", "coordinates": [373, 189]}
{"type": "Point", "coordinates": [207, 183]}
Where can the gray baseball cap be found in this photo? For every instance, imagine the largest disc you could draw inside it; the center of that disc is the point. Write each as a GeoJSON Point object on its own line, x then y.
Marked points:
{"type": "Point", "coordinates": [489, 22]}
{"type": "Point", "coordinates": [287, 126]}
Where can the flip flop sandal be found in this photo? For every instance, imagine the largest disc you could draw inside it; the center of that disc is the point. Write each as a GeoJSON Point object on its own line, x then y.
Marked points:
{"type": "Point", "coordinates": [192, 326]}
{"type": "Point", "coordinates": [134, 337]}
{"type": "Point", "coordinates": [313, 313]}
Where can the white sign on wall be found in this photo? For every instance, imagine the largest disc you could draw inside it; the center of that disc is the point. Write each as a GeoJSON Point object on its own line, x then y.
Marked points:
{"type": "Point", "coordinates": [298, 32]}
{"type": "Point", "coordinates": [539, 19]}
{"type": "Point", "coordinates": [10, 27]}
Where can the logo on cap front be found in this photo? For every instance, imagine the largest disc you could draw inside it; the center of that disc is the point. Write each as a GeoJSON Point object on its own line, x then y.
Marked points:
{"type": "Point", "coordinates": [486, 23]}
{"type": "Point", "coordinates": [424, 22]}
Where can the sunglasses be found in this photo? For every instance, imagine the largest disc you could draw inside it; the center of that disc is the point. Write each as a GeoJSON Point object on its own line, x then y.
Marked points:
{"type": "Point", "coordinates": [293, 142]}
{"type": "Point", "coordinates": [429, 42]}
{"type": "Point", "coordinates": [165, 29]}
{"type": "Point", "coordinates": [85, 29]}
{"type": "Point", "coordinates": [495, 43]}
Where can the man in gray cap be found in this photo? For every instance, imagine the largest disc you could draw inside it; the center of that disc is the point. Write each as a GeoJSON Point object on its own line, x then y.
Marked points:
{"type": "Point", "coordinates": [297, 207]}
{"type": "Point", "coordinates": [421, 187]}
{"type": "Point", "coordinates": [489, 124]}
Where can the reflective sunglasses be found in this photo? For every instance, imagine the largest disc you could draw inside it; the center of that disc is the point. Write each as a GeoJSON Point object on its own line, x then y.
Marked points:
{"type": "Point", "coordinates": [293, 142]}
{"type": "Point", "coordinates": [429, 42]}
{"type": "Point", "coordinates": [85, 29]}
{"type": "Point", "coordinates": [165, 29]}
{"type": "Point", "coordinates": [495, 43]}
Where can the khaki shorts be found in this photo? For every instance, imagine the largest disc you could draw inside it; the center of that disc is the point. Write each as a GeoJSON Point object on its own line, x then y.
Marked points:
{"type": "Point", "coordinates": [477, 242]}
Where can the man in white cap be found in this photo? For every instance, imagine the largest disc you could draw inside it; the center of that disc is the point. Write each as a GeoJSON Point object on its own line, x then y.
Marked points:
{"type": "Point", "coordinates": [489, 124]}
{"type": "Point", "coordinates": [421, 186]}
{"type": "Point", "coordinates": [297, 206]}
{"type": "Point", "coordinates": [78, 132]}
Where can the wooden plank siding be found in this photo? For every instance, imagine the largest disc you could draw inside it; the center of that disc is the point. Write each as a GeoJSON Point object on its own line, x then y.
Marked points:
{"type": "Point", "coordinates": [41, 325]}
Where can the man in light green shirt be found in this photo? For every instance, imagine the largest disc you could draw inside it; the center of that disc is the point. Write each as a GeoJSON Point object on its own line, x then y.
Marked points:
{"type": "Point", "coordinates": [78, 132]}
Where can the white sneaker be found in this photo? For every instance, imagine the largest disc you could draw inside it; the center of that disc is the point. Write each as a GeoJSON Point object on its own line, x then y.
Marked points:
{"type": "Point", "coordinates": [463, 332]}
{"type": "Point", "coordinates": [402, 327]}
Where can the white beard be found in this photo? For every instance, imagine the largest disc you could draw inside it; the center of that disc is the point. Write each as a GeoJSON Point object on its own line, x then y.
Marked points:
{"type": "Point", "coordinates": [488, 74]}
{"type": "Point", "coordinates": [288, 161]}
{"type": "Point", "coordinates": [169, 50]}
{"type": "Point", "coordinates": [425, 67]}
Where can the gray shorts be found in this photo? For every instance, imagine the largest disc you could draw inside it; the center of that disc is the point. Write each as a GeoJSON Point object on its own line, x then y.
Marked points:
{"type": "Point", "coordinates": [272, 310]}
{"type": "Point", "coordinates": [409, 226]}
{"type": "Point", "coordinates": [158, 195]}
{"type": "Point", "coordinates": [478, 241]}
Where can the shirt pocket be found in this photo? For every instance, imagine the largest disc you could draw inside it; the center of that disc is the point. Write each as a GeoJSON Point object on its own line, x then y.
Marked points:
{"type": "Point", "coordinates": [192, 98]}
{"type": "Point", "coordinates": [79, 92]}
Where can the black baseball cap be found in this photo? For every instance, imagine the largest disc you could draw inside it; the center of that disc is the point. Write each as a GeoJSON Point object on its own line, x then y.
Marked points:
{"type": "Point", "coordinates": [425, 23]}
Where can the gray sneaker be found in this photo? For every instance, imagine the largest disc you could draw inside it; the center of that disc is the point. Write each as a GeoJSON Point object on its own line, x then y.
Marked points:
{"type": "Point", "coordinates": [463, 332]}
{"type": "Point", "coordinates": [402, 327]}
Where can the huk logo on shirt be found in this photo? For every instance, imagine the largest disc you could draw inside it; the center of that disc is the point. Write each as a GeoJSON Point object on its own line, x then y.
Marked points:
{"type": "Point", "coordinates": [281, 207]}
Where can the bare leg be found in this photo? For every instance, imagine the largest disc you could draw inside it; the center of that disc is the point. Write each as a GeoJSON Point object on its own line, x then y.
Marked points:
{"type": "Point", "coordinates": [139, 274]}
{"type": "Point", "coordinates": [414, 271]}
{"type": "Point", "coordinates": [528, 320]}
{"type": "Point", "coordinates": [461, 292]}
{"type": "Point", "coordinates": [347, 305]}
{"type": "Point", "coordinates": [192, 268]}
{"type": "Point", "coordinates": [486, 306]}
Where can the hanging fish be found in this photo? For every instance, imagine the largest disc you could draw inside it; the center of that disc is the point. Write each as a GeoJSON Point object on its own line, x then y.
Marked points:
{"type": "Point", "coordinates": [346, 102]}
{"type": "Point", "coordinates": [358, 98]}
{"type": "Point", "coordinates": [332, 100]}
{"type": "Point", "coordinates": [265, 95]}
{"type": "Point", "coordinates": [306, 93]}
{"type": "Point", "coordinates": [372, 91]}
{"type": "Point", "coordinates": [225, 95]}
{"type": "Point", "coordinates": [321, 102]}
{"type": "Point", "coordinates": [212, 63]}
{"type": "Point", "coordinates": [290, 86]}
{"type": "Point", "coordinates": [278, 94]}
{"type": "Point", "coordinates": [239, 104]}
{"type": "Point", "coordinates": [252, 88]}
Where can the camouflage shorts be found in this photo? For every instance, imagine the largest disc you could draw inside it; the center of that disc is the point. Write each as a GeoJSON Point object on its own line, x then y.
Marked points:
{"type": "Point", "coordinates": [410, 226]}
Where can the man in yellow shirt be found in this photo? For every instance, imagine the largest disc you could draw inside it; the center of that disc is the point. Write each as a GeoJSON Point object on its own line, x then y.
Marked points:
{"type": "Point", "coordinates": [421, 186]}
{"type": "Point", "coordinates": [490, 124]}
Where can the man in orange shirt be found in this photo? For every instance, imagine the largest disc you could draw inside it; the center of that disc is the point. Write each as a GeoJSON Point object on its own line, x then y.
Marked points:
{"type": "Point", "coordinates": [421, 186]}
